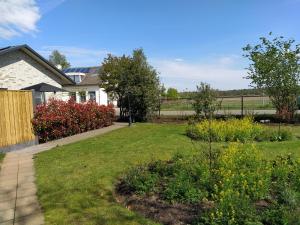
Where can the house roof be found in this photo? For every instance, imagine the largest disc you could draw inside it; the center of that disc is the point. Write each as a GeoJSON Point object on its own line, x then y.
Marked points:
{"type": "Point", "coordinates": [43, 87]}
{"type": "Point", "coordinates": [29, 51]}
{"type": "Point", "coordinates": [90, 79]}
{"type": "Point", "coordinates": [86, 70]}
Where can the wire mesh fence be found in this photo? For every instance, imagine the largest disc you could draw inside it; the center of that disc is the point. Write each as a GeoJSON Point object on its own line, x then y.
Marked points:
{"type": "Point", "coordinates": [241, 104]}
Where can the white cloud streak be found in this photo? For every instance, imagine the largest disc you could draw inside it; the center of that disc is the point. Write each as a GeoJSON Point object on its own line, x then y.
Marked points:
{"type": "Point", "coordinates": [77, 56]}
{"type": "Point", "coordinates": [18, 17]}
{"type": "Point", "coordinates": [223, 73]}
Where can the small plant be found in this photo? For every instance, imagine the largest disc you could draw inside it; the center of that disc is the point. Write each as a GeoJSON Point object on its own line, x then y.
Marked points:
{"type": "Point", "coordinates": [205, 101]}
{"type": "Point", "coordinates": [232, 130]}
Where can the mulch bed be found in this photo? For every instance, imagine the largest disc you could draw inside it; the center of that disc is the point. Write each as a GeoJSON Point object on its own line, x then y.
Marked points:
{"type": "Point", "coordinates": [158, 210]}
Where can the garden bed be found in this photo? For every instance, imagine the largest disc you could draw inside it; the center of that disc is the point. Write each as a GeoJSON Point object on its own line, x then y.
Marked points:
{"type": "Point", "coordinates": [238, 187]}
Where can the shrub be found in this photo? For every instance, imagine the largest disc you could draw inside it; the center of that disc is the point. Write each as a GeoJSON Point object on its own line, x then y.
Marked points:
{"type": "Point", "coordinates": [176, 180]}
{"type": "Point", "coordinates": [243, 188]}
{"type": "Point", "coordinates": [58, 118]}
{"type": "Point", "coordinates": [232, 130]}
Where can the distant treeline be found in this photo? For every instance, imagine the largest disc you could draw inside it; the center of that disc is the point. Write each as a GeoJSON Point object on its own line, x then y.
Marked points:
{"type": "Point", "coordinates": [238, 92]}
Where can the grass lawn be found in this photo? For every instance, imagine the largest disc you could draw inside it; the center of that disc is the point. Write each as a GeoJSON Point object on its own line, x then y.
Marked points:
{"type": "Point", "coordinates": [76, 181]}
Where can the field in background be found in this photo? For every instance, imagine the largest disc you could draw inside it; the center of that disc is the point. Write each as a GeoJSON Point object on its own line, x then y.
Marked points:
{"type": "Point", "coordinates": [227, 103]}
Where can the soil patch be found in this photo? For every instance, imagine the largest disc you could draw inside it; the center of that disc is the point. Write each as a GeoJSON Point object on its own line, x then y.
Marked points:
{"type": "Point", "coordinates": [161, 211]}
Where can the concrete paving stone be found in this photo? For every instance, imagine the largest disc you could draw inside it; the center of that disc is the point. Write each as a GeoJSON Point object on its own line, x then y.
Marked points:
{"type": "Point", "coordinates": [6, 215]}
{"type": "Point", "coordinates": [26, 192]}
{"type": "Point", "coordinates": [26, 200]}
{"type": "Point", "coordinates": [26, 173]}
{"type": "Point", "coordinates": [33, 219]}
{"type": "Point", "coordinates": [10, 222]}
{"type": "Point", "coordinates": [26, 179]}
{"type": "Point", "coordinates": [8, 177]}
{"type": "Point", "coordinates": [5, 205]}
{"type": "Point", "coordinates": [27, 210]}
{"type": "Point", "coordinates": [27, 185]}
{"type": "Point", "coordinates": [8, 197]}
{"type": "Point", "coordinates": [8, 181]}
{"type": "Point", "coordinates": [5, 185]}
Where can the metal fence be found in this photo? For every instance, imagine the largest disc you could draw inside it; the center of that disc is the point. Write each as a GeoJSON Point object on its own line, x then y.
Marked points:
{"type": "Point", "coordinates": [228, 104]}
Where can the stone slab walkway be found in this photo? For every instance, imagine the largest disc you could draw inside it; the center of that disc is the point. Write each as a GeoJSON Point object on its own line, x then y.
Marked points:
{"type": "Point", "coordinates": [18, 201]}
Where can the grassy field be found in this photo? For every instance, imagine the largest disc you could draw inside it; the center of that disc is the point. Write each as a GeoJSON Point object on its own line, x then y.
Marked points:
{"type": "Point", "coordinates": [250, 103]}
{"type": "Point", "coordinates": [76, 181]}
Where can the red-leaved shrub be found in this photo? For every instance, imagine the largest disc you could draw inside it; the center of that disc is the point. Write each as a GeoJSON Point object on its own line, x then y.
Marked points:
{"type": "Point", "coordinates": [58, 119]}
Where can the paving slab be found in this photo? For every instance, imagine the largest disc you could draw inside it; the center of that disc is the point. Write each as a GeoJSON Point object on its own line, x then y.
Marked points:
{"type": "Point", "coordinates": [18, 201]}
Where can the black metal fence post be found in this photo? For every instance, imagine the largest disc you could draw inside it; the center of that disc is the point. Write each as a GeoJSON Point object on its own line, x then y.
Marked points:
{"type": "Point", "coordinates": [242, 106]}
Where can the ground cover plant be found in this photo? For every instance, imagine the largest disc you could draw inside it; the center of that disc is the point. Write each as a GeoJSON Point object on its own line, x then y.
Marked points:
{"type": "Point", "coordinates": [58, 119]}
{"type": "Point", "coordinates": [76, 182]}
{"type": "Point", "coordinates": [241, 188]}
{"type": "Point", "coordinates": [233, 129]}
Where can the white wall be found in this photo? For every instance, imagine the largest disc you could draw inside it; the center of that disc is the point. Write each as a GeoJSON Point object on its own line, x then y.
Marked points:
{"type": "Point", "coordinates": [101, 96]}
{"type": "Point", "coordinates": [18, 70]}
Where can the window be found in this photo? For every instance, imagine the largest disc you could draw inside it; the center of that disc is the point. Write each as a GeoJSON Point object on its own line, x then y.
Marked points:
{"type": "Point", "coordinates": [75, 78]}
{"type": "Point", "coordinates": [82, 96]}
{"type": "Point", "coordinates": [39, 97]}
{"type": "Point", "coordinates": [92, 95]}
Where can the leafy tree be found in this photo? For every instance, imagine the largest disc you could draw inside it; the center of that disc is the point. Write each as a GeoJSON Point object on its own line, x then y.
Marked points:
{"type": "Point", "coordinates": [56, 58]}
{"type": "Point", "coordinates": [205, 100]}
{"type": "Point", "coordinates": [275, 68]}
{"type": "Point", "coordinates": [172, 93]}
{"type": "Point", "coordinates": [134, 83]}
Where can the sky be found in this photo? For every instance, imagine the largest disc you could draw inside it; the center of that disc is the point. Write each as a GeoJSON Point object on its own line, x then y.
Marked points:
{"type": "Point", "coordinates": [186, 41]}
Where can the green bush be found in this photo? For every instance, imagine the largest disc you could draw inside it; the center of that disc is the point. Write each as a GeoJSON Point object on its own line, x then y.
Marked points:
{"type": "Point", "coordinates": [180, 179]}
{"type": "Point", "coordinates": [232, 130]}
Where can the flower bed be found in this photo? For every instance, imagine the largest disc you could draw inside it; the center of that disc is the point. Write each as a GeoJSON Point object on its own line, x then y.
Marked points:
{"type": "Point", "coordinates": [58, 119]}
{"type": "Point", "coordinates": [232, 130]}
{"type": "Point", "coordinates": [240, 188]}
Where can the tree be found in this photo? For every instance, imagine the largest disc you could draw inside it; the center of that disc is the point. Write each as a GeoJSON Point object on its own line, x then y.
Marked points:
{"type": "Point", "coordinates": [275, 68]}
{"type": "Point", "coordinates": [56, 58]}
{"type": "Point", "coordinates": [172, 93]}
{"type": "Point", "coordinates": [205, 100]}
{"type": "Point", "coordinates": [134, 82]}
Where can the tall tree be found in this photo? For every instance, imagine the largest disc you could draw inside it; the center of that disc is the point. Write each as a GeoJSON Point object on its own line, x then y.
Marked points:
{"type": "Point", "coordinates": [172, 93]}
{"type": "Point", "coordinates": [57, 58]}
{"type": "Point", "coordinates": [275, 68]}
{"type": "Point", "coordinates": [134, 82]}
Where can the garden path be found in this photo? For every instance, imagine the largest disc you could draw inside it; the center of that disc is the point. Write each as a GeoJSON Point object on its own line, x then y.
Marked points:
{"type": "Point", "coordinates": [18, 199]}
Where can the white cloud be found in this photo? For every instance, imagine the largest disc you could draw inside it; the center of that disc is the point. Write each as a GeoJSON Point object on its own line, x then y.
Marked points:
{"type": "Point", "coordinates": [17, 17]}
{"type": "Point", "coordinates": [222, 73]}
{"type": "Point", "coordinates": [77, 56]}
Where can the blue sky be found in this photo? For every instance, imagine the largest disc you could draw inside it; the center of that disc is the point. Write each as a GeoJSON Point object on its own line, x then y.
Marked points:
{"type": "Point", "coordinates": [187, 41]}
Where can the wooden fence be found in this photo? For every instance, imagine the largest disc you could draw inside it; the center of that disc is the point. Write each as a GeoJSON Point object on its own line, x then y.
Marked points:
{"type": "Point", "coordinates": [16, 112]}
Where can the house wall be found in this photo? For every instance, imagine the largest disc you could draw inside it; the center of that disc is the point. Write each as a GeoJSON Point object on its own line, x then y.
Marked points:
{"type": "Point", "coordinates": [18, 70]}
{"type": "Point", "coordinates": [101, 95]}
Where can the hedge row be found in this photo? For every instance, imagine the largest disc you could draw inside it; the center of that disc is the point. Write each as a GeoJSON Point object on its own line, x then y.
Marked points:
{"type": "Point", "coordinates": [58, 119]}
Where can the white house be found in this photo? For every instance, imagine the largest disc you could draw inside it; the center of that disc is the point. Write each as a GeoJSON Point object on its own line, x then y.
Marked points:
{"type": "Point", "coordinates": [23, 68]}
{"type": "Point", "coordinates": [87, 85]}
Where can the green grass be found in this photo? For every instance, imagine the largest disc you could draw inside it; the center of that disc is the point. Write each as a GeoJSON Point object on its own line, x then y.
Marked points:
{"type": "Point", "coordinates": [1, 158]}
{"type": "Point", "coordinates": [76, 181]}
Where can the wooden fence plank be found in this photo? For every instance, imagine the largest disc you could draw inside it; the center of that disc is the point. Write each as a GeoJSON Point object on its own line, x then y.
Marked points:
{"type": "Point", "coordinates": [15, 117]}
